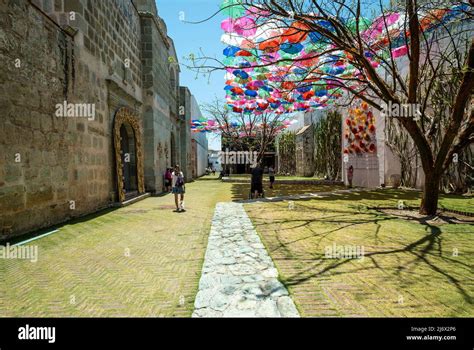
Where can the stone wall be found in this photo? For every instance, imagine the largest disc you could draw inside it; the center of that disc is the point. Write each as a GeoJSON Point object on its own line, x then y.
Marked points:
{"type": "Point", "coordinates": [305, 151]}
{"type": "Point", "coordinates": [34, 146]}
{"type": "Point", "coordinates": [161, 89]}
{"type": "Point", "coordinates": [109, 54]}
{"type": "Point", "coordinates": [56, 168]}
{"type": "Point", "coordinates": [185, 137]}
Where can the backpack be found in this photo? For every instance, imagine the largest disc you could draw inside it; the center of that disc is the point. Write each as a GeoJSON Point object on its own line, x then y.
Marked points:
{"type": "Point", "coordinates": [180, 181]}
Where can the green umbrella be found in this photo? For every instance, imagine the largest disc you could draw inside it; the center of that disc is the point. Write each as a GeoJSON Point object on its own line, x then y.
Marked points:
{"type": "Point", "coordinates": [315, 47]}
{"type": "Point", "coordinates": [364, 24]}
{"type": "Point", "coordinates": [233, 8]}
{"type": "Point", "coordinates": [263, 93]}
{"type": "Point", "coordinates": [228, 61]}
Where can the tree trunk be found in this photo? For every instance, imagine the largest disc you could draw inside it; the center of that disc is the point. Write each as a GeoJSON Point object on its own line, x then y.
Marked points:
{"type": "Point", "coordinates": [429, 201]}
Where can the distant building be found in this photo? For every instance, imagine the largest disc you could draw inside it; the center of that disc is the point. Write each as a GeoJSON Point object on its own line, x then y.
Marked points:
{"type": "Point", "coordinates": [304, 147]}
{"type": "Point", "coordinates": [251, 145]}
{"type": "Point", "coordinates": [214, 160]}
{"type": "Point", "coordinates": [199, 144]}
{"type": "Point", "coordinates": [186, 160]}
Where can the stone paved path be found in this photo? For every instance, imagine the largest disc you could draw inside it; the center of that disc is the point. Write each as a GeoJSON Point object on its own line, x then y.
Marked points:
{"type": "Point", "coordinates": [238, 277]}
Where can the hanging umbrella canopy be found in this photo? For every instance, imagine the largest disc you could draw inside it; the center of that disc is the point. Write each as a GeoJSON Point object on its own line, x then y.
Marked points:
{"type": "Point", "coordinates": [233, 8]}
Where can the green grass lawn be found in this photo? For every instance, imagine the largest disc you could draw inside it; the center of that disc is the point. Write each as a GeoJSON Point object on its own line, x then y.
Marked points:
{"type": "Point", "coordinates": [411, 267]}
{"type": "Point", "coordinates": [240, 191]}
{"type": "Point", "coordinates": [454, 202]}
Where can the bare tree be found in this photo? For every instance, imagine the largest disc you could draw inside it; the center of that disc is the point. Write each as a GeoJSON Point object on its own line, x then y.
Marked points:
{"type": "Point", "coordinates": [246, 131]}
{"type": "Point", "coordinates": [433, 57]}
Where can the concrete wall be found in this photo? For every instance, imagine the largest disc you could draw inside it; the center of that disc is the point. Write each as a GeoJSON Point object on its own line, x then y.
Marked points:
{"type": "Point", "coordinates": [305, 151]}
{"type": "Point", "coordinates": [215, 160]}
{"type": "Point", "coordinates": [368, 169]}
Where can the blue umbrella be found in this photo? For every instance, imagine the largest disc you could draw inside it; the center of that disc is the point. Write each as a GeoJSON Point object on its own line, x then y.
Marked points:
{"type": "Point", "coordinates": [230, 51]}
{"type": "Point", "coordinates": [291, 48]}
{"type": "Point", "coordinates": [241, 74]}
{"type": "Point", "coordinates": [251, 93]}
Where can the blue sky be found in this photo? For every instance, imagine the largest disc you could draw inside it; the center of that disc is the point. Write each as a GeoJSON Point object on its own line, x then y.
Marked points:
{"type": "Point", "coordinates": [191, 38]}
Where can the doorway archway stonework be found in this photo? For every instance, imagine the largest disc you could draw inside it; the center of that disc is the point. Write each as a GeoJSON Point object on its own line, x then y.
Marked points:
{"type": "Point", "coordinates": [126, 116]}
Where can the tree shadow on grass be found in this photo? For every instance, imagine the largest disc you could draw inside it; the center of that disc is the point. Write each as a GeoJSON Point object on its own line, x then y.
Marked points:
{"type": "Point", "coordinates": [421, 249]}
{"type": "Point", "coordinates": [241, 191]}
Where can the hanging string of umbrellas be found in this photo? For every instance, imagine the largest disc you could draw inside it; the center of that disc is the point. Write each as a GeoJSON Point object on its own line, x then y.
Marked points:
{"type": "Point", "coordinates": [288, 69]}
{"type": "Point", "coordinates": [238, 128]}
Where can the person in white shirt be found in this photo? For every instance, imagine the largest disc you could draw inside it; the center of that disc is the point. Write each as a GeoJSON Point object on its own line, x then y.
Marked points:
{"type": "Point", "coordinates": [178, 188]}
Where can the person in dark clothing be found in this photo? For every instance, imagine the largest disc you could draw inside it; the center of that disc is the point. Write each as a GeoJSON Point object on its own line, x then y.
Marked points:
{"type": "Point", "coordinates": [256, 187]}
{"type": "Point", "coordinates": [350, 175]}
{"type": "Point", "coordinates": [168, 179]}
{"type": "Point", "coordinates": [271, 174]}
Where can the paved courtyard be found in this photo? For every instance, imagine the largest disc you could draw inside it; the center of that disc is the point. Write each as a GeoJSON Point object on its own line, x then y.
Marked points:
{"type": "Point", "coordinates": [141, 260]}
{"type": "Point", "coordinates": [264, 259]}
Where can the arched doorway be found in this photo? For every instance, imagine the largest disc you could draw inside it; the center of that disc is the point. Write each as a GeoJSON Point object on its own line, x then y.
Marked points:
{"type": "Point", "coordinates": [129, 161]}
{"type": "Point", "coordinates": [128, 155]}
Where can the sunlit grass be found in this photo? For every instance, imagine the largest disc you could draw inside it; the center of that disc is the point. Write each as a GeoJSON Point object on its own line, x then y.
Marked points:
{"type": "Point", "coordinates": [411, 267]}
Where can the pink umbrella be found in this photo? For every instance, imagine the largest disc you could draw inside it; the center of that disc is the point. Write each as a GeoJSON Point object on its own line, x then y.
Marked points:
{"type": "Point", "coordinates": [228, 25]}
{"type": "Point", "coordinates": [400, 51]}
{"type": "Point", "coordinates": [245, 26]}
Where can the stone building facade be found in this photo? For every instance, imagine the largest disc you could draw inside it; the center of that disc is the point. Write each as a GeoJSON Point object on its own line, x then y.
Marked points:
{"type": "Point", "coordinates": [186, 147]}
{"type": "Point", "coordinates": [305, 151]}
{"type": "Point", "coordinates": [110, 58]}
{"type": "Point", "coordinates": [199, 144]}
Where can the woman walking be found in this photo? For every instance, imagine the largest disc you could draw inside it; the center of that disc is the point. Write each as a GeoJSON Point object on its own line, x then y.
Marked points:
{"type": "Point", "coordinates": [178, 188]}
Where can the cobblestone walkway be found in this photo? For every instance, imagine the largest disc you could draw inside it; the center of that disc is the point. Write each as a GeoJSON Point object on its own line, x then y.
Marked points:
{"type": "Point", "coordinates": [238, 277]}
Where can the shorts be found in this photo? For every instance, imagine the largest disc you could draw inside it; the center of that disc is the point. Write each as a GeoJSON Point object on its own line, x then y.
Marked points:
{"type": "Point", "coordinates": [167, 183]}
{"type": "Point", "coordinates": [272, 178]}
{"type": "Point", "coordinates": [178, 190]}
{"type": "Point", "coordinates": [256, 187]}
